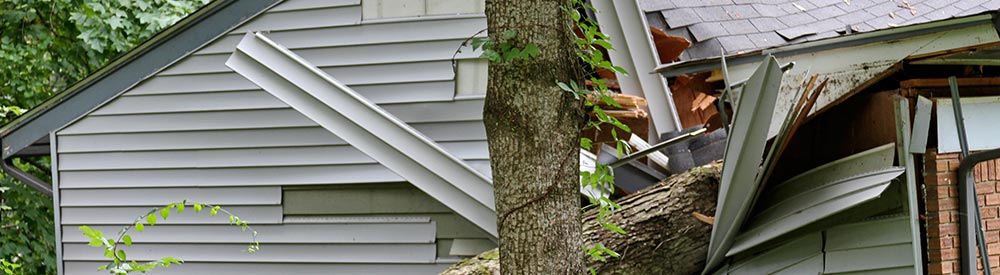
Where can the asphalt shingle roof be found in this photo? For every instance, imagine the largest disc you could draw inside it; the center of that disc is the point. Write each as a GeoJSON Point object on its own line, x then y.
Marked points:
{"type": "Point", "coordinates": [737, 26]}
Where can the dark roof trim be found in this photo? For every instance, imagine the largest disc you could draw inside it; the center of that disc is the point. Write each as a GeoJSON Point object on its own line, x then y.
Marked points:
{"type": "Point", "coordinates": [160, 51]}
{"type": "Point", "coordinates": [679, 68]}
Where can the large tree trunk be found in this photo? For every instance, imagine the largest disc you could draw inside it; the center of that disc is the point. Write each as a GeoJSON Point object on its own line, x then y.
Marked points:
{"type": "Point", "coordinates": [533, 129]}
{"type": "Point", "coordinates": [663, 235]}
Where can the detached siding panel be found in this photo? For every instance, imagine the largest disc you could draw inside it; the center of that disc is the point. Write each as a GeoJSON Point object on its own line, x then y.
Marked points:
{"type": "Point", "coordinates": [200, 132]}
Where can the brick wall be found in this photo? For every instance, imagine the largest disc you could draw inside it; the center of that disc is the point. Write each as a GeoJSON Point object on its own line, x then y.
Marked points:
{"type": "Point", "coordinates": [941, 201]}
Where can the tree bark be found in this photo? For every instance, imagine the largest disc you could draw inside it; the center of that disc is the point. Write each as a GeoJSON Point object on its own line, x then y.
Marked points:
{"type": "Point", "coordinates": [663, 236]}
{"type": "Point", "coordinates": [533, 131]}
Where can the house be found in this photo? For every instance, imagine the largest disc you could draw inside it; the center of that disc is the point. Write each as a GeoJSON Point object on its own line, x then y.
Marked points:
{"type": "Point", "coordinates": [224, 108]}
{"type": "Point", "coordinates": [869, 180]}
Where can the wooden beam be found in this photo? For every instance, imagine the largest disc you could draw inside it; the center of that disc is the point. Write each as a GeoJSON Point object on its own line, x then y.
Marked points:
{"type": "Point", "coordinates": [943, 82]}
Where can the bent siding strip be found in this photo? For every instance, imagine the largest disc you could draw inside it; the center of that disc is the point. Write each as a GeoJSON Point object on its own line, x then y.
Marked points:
{"type": "Point", "coordinates": [383, 137]}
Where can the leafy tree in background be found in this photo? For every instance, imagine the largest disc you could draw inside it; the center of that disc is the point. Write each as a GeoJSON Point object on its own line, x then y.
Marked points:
{"type": "Point", "coordinates": [45, 46]}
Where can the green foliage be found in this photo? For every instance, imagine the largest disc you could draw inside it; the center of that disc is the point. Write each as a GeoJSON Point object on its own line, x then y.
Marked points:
{"type": "Point", "coordinates": [10, 268]}
{"type": "Point", "coordinates": [27, 232]}
{"type": "Point", "coordinates": [505, 50]}
{"type": "Point", "coordinates": [46, 45]}
{"type": "Point", "coordinates": [120, 264]}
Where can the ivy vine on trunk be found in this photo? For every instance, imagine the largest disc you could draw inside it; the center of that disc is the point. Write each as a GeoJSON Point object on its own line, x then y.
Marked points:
{"type": "Point", "coordinates": [534, 112]}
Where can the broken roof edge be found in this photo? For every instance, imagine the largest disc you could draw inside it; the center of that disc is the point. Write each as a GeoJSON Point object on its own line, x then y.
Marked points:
{"type": "Point", "coordinates": [701, 65]}
{"type": "Point", "coordinates": [367, 127]}
{"type": "Point", "coordinates": [146, 59]}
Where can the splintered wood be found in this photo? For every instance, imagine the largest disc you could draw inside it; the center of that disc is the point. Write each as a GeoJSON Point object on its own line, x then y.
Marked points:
{"type": "Point", "coordinates": [629, 111]}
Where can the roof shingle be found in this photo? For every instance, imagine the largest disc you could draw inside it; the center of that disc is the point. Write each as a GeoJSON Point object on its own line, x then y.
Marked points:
{"type": "Point", "coordinates": [744, 25]}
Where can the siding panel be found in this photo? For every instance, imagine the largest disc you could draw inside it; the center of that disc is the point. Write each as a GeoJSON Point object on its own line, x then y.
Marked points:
{"type": "Point", "coordinates": [344, 56]}
{"type": "Point", "coordinates": [258, 176]}
{"type": "Point", "coordinates": [127, 215]}
{"type": "Point", "coordinates": [224, 158]}
{"type": "Point", "coordinates": [444, 133]}
{"type": "Point", "coordinates": [304, 19]}
{"type": "Point", "coordinates": [441, 90]}
{"type": "Point", "coordinates": [90, 268]}
{"type": "Point", "coordinates": [349, 75]}
{"type": "Point", "coordinates": [422, 232]}
{"type": "Point", "coordinates": [253, 119]}
{"type": "Point", "coordinates": [439, 28]}
{"type": "Point", "coordinates": [868, 259]}
{"type": "Point", "coordinates": [292, 5]}
{"type": "Point", "coordinates": [269, 253]}
{"type": "Point", "coordinates": [361, 199]}
{"type": "Point", "coordinates": [266, 195]}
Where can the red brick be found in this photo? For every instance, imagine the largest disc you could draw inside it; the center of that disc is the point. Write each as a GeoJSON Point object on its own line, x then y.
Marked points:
{"type": "Point", "coordinates": [947, 156]}
{"type": "Point", "coordinates": [948, 229]}
{"type": "Point", "coordinates": [931, 180]}
{"type": "Point", "coordinates": [940, 268]}
{"type": "Point", "coordinates": [989, 212]}
{"type": "Point", "coordinates": [992, 224]}
{"type": "Point", "coordinates": [991, 199]}
{"type": "Point", "coordinates": [941, 166]}
{"type": "Point", "coordinates": [938, 192]}
{"type": "Point", "coordinates": [994, 248]}
{"type": "Point", "coordinates": [992, 238]}
{"type": "Point", "coordinates": [944, 254]}
{"type": "Point", "coordinates": [985, 188]}
{"type": "Point", "coordinates": [940, 243]}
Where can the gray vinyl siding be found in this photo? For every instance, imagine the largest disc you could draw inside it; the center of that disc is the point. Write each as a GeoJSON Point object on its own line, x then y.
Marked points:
{"type": "Point", "coordinates": [876, 246]}
{"type": "Point", "coordinates": [200, 132]}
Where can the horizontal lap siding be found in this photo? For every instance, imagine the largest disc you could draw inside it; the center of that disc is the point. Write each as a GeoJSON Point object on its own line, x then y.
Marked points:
{"type": "Point", "coordinates": [90, 268]}
{"type": "Point", "coordinates": [870, 247]}
{"type": "Point", "coordinates": [198, 131]}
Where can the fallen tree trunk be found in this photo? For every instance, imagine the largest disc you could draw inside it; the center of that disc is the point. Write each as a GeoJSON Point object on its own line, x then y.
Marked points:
{"type": "Point", "coordinates": [664, 234]}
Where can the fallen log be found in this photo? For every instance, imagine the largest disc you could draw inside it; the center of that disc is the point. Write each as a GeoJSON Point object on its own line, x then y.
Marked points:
{"type": "Point", "coordinates": [668, 231]}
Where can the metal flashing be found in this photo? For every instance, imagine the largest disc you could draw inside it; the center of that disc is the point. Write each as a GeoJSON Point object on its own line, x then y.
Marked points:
{"type": "Point", "coordinates": [679, 68]}
{"type": "Point", "coordinates": [980, 115]}
{"type": "Point", "coordinates": [744, 151]}
{"type": "Point", "coordinates": [168, 46]}
{"type": "Point", "coordinates": [813, 205]}
{"type": "Point", "coordinates": [361, 123]}
{"type": "Point", "coordinates": [903, 148]}
{"type": "Point", "coordinates": [921, 125]}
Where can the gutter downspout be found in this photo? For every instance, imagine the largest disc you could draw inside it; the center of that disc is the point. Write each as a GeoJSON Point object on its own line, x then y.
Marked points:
{"type": "Point", "coordinates": [965, 178]}
{"type": "Point", "coordinates": [7, 165]}
{"type": "Point", "coordinates": [970, 221]}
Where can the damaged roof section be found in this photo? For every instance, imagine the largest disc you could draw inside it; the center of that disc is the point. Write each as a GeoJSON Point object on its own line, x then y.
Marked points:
{"type": "Point", "coordinates": [742, 26]}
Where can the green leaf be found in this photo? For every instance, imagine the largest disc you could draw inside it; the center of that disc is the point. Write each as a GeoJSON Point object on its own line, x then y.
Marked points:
{"type": "Point", "coordinates": [139, 226]}
{"type": "Point", "coordinates": [198, 207]}
{"type": "Point", "coordinates": [151, 219]}
{"type": "Point", "coordinates": [121, 255]}
{"type": "Point", "coordinates": [127, 240]}
{"type": "Point", "coordinates": [586, 143]}
{"type": "Point", "coordinates": [215, 210]}
{"type": "Point", "coordinates": [180, 208]}
{"type": "Point", "coordinates": [165, 212]}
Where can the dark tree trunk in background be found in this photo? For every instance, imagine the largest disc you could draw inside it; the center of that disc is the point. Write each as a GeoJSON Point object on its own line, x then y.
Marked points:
{"type": "Point", "coordinates": [533, 129]}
